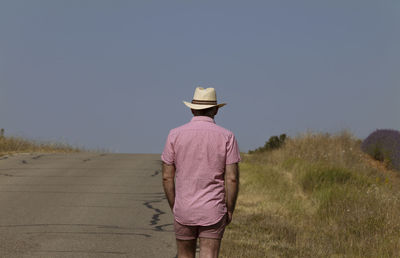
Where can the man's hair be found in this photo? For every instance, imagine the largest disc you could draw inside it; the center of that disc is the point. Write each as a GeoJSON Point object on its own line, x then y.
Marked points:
{"type": "Point", "coordinates": [205, 112]}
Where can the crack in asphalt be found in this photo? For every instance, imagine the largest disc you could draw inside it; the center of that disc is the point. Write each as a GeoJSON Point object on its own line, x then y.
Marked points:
{"type": "Point", "coordinates": [90, 233]}
{"type": "Point", "coordinates": [64, 224]}
{"type": "Point", "coordinates": [61, 168]}
{"type": "Point", "coordinates": [157, 228]}
{"type": "Point", "coordinates": [161, 227]}
{"type": "Point", "coordinates": [66, 192]}
{"type": "Point", "coordinates": [5, 174]}
{"type": "Point", "coordinates": [157, 212]}
{"type": "Point", "coordinates": [77, 251]}
{"type": "Point", "coordinates": [155, 173]}
{"type": "Point", "coordinates": [155, 218]}
{"type": "Point", "coordinates": [80, 225]}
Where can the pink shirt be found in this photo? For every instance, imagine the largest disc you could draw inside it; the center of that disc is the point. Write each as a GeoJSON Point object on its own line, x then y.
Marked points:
{"type": "Point", "coordinates": [200, 150]}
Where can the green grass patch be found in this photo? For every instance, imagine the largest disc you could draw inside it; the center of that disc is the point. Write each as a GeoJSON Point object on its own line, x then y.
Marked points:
{"type": "Point", "coordinates": [317, 178]}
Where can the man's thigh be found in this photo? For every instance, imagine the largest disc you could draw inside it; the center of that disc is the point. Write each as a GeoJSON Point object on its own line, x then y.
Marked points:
{"type": "Point", "coordinates": [209, 247]}
{"type": "Point", "coordinates": [186, 248]}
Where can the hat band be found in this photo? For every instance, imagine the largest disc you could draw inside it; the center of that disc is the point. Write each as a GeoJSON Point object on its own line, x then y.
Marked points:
{"type": "Point", "coordinates": [204, 102]}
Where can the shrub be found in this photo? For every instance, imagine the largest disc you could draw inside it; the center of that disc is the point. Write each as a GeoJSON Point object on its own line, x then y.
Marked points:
{"type": "Point", "coordinates": [384, 145]}
{"type": "Point", "coordinates": [274, 142]}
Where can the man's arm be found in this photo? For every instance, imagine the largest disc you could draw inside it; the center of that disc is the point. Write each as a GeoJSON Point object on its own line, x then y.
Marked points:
{"type": "Point", "coordinates": [232, 187]}
{"type": "Point", "coordinates": [168, 175]}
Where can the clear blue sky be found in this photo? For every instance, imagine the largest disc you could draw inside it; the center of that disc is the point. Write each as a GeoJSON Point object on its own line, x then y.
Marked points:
{"type": "Point", "coordinates": [113, 74]}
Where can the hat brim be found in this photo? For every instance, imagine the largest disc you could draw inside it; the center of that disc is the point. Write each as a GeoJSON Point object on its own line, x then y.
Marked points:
{"type": "Point", "coordinates": [199, 107]}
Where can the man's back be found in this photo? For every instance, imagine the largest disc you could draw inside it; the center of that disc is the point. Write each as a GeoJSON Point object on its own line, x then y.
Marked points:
{"type": "Point", "coordinates": [200, 151]}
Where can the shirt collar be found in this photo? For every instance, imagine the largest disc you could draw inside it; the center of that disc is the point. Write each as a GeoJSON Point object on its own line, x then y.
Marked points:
{"type": "Point", "coordinates": [203, 118]}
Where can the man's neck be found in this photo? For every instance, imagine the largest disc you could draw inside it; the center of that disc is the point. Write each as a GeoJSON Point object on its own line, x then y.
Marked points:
{"type": "Point", "coordinates": [212, 117]}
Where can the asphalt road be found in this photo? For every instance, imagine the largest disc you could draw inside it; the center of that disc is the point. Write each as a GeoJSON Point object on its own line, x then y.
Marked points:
{"type": "Point", "coordinates": [84, 205]}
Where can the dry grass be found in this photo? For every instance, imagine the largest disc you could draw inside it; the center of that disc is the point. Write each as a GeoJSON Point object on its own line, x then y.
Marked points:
{"type": "Point", "coordinates": [11, 145]}
{"type": "Point", "coordinates": [318, 196]}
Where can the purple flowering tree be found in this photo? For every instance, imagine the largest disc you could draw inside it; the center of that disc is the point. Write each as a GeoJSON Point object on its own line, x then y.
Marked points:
{"type": "Point", "coordinates": [384, 145]}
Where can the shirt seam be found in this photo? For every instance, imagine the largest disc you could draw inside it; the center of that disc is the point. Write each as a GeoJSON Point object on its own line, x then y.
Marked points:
{"type": "Point", "coordinates": [227, 136]}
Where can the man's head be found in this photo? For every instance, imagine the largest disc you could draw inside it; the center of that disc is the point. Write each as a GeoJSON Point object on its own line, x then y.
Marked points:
{"type": "Point", "coordinates": [210, 112]}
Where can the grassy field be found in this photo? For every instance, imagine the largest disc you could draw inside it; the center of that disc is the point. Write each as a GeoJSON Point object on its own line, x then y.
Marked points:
{"type": "Point", "coordinates": [318, 196]}
{"type": "Point", "coordinates": [11, 145]}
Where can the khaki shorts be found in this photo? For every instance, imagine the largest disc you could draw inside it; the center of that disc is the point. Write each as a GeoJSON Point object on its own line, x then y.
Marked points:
{"type": "Point", "coordinates": [184, 232]}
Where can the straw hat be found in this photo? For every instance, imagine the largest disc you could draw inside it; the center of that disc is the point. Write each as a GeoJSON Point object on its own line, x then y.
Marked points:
{"type": "Point", "coordinates": [204, 98]}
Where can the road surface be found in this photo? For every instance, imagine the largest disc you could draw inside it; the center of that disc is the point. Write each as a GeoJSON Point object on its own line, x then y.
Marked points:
{"type": "Point", "coordinates": [84, 205]}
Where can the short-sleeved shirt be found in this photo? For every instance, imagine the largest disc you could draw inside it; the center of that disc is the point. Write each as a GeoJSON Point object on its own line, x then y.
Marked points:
{"type": "Point", "coordinates": [200, 150]}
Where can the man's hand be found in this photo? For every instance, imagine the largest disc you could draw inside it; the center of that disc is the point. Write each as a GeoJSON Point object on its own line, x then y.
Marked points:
{"type": "Point", "coordinates": [168, 175]}
{"type": "Point", "coordinates": [232, 188]}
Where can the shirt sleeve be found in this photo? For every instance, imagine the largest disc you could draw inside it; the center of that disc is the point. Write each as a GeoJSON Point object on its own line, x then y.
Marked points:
{"type": "Point", "coordinates": [168, 155]}
{"type": "Point", "coordinates": [232, 152]}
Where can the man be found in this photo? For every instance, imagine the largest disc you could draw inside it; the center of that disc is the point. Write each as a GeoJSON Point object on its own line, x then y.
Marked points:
{"type": "Point", "coordinates": [201, 177]}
